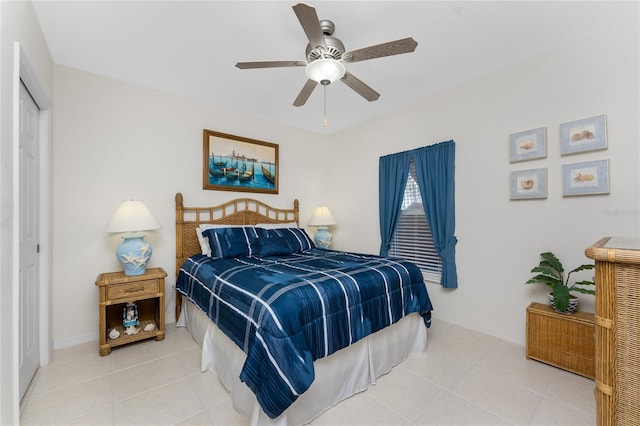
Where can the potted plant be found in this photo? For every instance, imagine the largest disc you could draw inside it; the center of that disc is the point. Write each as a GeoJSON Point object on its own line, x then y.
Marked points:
{"type": "Point", "coordinates": [551, 272]}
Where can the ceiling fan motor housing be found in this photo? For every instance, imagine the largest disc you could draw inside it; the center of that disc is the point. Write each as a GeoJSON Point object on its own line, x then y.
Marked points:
{"type": "Point", "coordinates": [334, 49]}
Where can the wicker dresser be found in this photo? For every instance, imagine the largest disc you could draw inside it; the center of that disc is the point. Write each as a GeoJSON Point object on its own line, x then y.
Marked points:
{"type": "Point", "coordinates": [617, 330]}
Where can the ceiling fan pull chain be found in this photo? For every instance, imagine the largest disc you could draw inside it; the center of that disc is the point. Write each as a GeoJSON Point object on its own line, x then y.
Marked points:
{"type": "Point", "coordinates": [324, 121]}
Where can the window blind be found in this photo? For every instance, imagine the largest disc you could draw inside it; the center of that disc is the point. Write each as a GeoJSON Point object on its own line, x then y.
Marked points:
{"type": "Point", "coordinates": [412, 239]}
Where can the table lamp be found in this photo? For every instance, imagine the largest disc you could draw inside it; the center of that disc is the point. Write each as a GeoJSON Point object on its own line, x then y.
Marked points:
{"type": "Point", "coordinates": [133, 217]}
{"type": "Point", "coordinates": [322, 218]}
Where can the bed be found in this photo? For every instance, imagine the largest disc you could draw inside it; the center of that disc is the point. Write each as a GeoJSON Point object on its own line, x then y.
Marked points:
{"type": "Point", "coordinates": [287, 367]}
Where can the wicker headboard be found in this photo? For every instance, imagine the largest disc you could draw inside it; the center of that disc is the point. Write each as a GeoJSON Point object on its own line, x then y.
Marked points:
{"type": "Point", "coordinates": [241, 211]}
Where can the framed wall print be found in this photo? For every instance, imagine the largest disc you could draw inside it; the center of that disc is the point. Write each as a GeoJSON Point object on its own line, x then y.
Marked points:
{"type": "Point", "coordinates": [529, 184]}
{"type": "Point", "coordinates": [588, 134]}
{"type": "Point", "coordinates": [235, 163]}
{"type": "Point", "coordinates": [529, 145]}
{"type": "Point", "coordinates": [588, 178]}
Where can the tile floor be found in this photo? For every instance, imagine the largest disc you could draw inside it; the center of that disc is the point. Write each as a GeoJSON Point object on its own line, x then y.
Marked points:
{"type": "Point", "coordinates": [464, 378]}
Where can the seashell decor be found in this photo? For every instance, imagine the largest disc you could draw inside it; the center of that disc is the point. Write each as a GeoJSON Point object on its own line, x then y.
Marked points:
{"type": "Point", "coordinates": [114, 334]}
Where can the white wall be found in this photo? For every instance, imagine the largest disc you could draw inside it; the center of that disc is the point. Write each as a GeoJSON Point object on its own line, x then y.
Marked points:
{"type": "Point", "coordinates": [115, 141]}
{"type": "Point", "coordinates": [18, 23]}
{"type": "Point", "coordinates": [499, 239]}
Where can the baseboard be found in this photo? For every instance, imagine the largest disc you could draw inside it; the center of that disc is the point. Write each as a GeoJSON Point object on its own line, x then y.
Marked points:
{"type": "Point", "coordinates": [480, 329]}
{"type": "Point", "coordinates": [85, 338]}
{"type": "Point", "coordinates": [73, 341]}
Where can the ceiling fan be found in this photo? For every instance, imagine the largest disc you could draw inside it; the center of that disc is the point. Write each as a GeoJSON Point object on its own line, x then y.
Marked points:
{"type": "Point", "coordinates": [326, 56]}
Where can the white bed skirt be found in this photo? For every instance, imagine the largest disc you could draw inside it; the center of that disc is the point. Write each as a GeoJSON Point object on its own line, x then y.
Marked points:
{"type": "Point", "coordinates": [337, 377]}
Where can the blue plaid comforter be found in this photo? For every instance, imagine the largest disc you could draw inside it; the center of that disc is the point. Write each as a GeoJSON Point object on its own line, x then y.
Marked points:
{"type": "Point", "coordinates": [285, 312]}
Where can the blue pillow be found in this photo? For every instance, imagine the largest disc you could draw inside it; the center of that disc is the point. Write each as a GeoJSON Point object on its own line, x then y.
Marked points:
{"type": "Point", "coordinates": [273, 246]}
{"type": "Point", "coordinates": [296, 238]}
{"type": "Point", "coordinates": [232, 241]}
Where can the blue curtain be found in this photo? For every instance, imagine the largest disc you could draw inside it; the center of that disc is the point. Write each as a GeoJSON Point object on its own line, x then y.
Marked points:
{"type": "Point", "coordinates": [435, 166]}
{"type": "Point", "coordinates": [392, 178]}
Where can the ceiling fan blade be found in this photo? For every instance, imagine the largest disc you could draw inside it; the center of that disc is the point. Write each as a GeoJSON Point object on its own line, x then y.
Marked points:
{"type": "Point", "coordinates": [397, 47]}
{"type": "Point", "coordinates": [362, 89]}
{"type": "Point", "coordinates": [305, 93]}
{"type": "Point", "coordinates": [310, 24]}
{"type": "Point", "coordinates": [270, 64]}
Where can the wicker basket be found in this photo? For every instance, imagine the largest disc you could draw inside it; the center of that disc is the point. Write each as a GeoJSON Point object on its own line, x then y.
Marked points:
{"type": "Point", "coordinates": [564, 341]}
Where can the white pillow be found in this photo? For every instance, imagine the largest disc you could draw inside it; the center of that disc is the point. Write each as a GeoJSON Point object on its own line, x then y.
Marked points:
{"type": "Point", "coordinates": [204, 241]}
{"type": "Point", "coordinates": [277, 225]}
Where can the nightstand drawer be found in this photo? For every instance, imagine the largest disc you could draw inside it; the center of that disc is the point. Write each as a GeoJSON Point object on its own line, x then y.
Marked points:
{"type": "Point", "coordinates": [136, 289]}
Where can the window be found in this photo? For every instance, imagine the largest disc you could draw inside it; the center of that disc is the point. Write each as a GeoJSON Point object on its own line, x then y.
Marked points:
{"type": "Point", "coordinates": [412, 239]}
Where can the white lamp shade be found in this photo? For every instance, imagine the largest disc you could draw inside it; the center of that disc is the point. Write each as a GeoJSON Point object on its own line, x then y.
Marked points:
{"type": "Point", "coordinates": [132, 216]}
{"type": "Point", "coordinates": [325, 69]}
{"type": "Point", "coordinates": [322, 217]}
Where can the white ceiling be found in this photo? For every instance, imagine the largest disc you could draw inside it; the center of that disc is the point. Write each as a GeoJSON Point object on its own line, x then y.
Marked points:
{"type": "Point", "coordinates": [190, 48]}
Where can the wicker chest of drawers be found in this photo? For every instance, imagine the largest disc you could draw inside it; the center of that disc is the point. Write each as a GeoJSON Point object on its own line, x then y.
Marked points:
{"type": "Point", "coordinates": [564, 341]}
{"type": "Point", "coordinates": [617, 330]}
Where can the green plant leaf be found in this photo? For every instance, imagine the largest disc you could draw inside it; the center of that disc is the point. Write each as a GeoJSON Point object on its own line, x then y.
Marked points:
{"type": "Point", "coordinates": [583, 290]}
{"type": "Point", "coordinates": [561, 297]}
{"type": "Point", "coordinates": [546, 270]}
{"type": "Point", "coordinates": [552, 260]}
{"type": "Point", "coordinates": [583, 268]}
{"type": "Point", "coordinates": [579, 268]}
{"type": "Point", "coordinates": [545, 279]}
{"type": "Point", "coordinates": [575, 287]}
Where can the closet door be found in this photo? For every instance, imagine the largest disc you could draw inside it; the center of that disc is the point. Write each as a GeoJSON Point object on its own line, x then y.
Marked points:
{"type": "Point", "coordinates": [29, 351]}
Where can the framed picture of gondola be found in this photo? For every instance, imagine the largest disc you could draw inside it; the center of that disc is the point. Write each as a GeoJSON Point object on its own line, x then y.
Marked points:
{"type": "Point", "coordinates": [236, 163]}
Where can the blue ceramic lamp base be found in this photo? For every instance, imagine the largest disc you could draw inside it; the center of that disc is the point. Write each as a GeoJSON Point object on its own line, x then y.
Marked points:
{"type": "Point", "coordinates": [323, 238]}
{"type": "Point", "coordinates": [134, 254]}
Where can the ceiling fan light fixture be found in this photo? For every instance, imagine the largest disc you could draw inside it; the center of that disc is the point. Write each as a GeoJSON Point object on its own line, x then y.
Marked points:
{"type": "Point", "coordinates": [325, 69]}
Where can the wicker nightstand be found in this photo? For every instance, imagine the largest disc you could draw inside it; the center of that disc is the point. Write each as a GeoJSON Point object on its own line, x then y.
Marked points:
{"type": "Point", "coordinates": [561, 340]}
{"type": "Point", "coordinates": [116, 290]}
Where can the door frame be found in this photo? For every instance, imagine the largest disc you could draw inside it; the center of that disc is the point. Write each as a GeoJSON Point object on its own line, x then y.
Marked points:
{"type": "Point", "coordinates": [25, 72]}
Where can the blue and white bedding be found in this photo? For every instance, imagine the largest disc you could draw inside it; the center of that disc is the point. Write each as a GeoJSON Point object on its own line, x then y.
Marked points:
{"type": "Point", "coordinates": [285, 311]}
